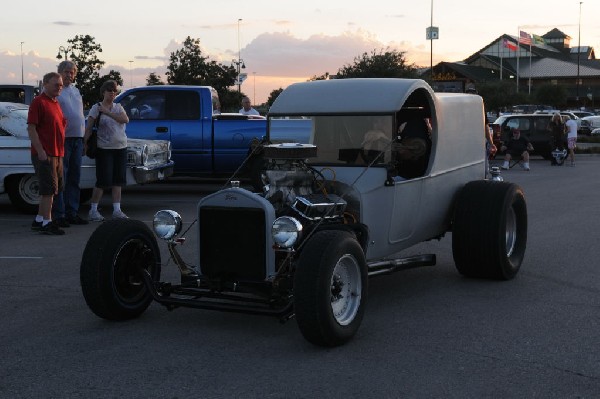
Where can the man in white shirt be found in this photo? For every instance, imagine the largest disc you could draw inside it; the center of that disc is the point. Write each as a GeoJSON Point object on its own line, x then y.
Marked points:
{"type": "Point", "coordinates": [571, 125]}
{"type": "Point", "coordinates": [66, 206]}
{"type": "Point", "coordinates": [247, 108]}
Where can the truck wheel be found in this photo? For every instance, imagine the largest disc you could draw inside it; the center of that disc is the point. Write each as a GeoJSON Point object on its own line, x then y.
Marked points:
{"type": "Point", "coordinates": [24, 192]}
{"type": "Point", "coordinates": [110, 280]}
{"type": "Point", "coordinates": [330, 288]}
{"type": "Point", "coordinates": [489, 232]}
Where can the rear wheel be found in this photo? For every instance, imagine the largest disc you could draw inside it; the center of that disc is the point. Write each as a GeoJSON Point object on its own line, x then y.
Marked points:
{"type": "Point", "coordinates": [489, 233]}
{"type": "Point", "coordinates": [24, 192]}
{"type": "Point", "coordinates": [330, 288]}
{"type": "Point", "coordinates": [113, 258]}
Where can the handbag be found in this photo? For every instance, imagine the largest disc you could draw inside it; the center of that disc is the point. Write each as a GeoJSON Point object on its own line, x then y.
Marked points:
{"type": "Point", "coordinates": [92, 143]}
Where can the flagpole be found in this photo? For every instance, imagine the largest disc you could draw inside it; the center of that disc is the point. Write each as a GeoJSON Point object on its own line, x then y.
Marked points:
{"type": "Point", "coordinates": [530, 65]}
{"type": "Point", "coordinates": [501, 50]}
{"type": "Point", "coordinates": [518, 52]}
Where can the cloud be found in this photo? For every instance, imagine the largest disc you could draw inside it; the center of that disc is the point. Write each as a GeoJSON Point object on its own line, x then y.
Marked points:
{"type": "Point", "coordinates": [65, 23]}
{"type": "Point", "coordinates": [282, 54]}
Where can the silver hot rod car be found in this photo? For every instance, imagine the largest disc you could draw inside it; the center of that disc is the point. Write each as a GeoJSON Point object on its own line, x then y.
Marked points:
{"type": "Point", "coordinates": [389, 164]}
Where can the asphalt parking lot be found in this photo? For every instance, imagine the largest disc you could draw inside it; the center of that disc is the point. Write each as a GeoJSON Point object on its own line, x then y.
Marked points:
{"type": "Point", "coordinates": [427, 332]}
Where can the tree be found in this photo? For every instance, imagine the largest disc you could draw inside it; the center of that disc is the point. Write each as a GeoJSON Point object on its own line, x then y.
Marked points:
{"type": "Point", "coordinates": [84, 50]}
{"type": "Point", "coordinates": [189, 67]}
{"type": "Point", "coordinates": [549, 94]}
{"type": "Point", "coordinates": [325, 76]}
{"type": "Point", "coordinates": [273, 96]}
{"type": "Point", "coordinates": [501, 94]}
{"type": "Point", "coordinates": [153, 80]}
{"type": "Point", "coordinates": [382, 64]}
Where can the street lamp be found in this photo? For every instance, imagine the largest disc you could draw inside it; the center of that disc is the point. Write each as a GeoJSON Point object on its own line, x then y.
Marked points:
{"type": "Point", "coordinates": [130, 74]}
{"type": "Point", "coordinates": [66, 51]}
{"type": "Point", "coordinates": [22, 80]}
{"type": "Point", "coordinates": [239, 62]}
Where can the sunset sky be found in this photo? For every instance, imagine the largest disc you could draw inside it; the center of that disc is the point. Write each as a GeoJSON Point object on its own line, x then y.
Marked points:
{"type": "Point", "coordinates": [281, 42]}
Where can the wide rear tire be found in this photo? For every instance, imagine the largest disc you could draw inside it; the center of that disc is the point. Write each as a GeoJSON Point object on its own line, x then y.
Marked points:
{"type": "Point", "coordinates": [110, 269]}
{"type": "Point", "coordinates": [489, 231]}
{"type": "Point", "coordinates": [330, 288]}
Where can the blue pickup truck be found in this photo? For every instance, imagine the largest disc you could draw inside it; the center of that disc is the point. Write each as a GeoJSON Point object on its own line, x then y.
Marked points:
{"type": "Point", "coordinates": [204, 141]}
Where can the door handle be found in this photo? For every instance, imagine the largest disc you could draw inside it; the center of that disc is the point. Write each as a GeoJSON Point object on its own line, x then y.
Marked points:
{"type": "Point", "coordinates": [162, 129]}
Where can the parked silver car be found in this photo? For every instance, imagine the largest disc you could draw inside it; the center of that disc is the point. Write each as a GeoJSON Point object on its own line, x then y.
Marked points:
{"type": "Point", "coordinates": [147, 161]}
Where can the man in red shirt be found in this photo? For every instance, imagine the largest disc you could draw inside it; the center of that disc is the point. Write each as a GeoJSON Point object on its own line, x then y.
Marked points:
{"type": "Point", "coordinates": [46, 128]}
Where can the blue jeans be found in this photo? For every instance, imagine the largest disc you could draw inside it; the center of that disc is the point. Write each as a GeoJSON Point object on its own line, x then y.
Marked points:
{"type": "Point", "coordinates": [66, 203]}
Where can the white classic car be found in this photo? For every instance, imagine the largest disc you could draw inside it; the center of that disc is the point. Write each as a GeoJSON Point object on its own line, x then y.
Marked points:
{"type": "Point", "coordinates": [147, 161]}
{"type": "Point", "coordinates": [388, 164]}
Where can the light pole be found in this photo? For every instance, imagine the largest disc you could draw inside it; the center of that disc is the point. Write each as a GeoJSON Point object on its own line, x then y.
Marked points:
{"type": "Point", "coordinates": [578, 55]}
{"type": "Point", "coordinates": [239, 62]}
{"type": "Point", "coordinates": [130, 74]}
{"type": "Point", "coordinates": [22, 79]}
{"type": "Point", "coordinates": [254, 96]}
{"type": "Point", "coordinates": [66, 51]}
{"type": "Point", "coordinates": [431, 44]}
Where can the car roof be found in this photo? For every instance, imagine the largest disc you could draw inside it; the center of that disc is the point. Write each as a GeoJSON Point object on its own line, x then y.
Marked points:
{"type": "Point", "coordinates": [348, 96]}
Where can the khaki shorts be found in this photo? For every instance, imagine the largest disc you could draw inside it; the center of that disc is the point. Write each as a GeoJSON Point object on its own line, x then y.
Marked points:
{"type": "Point", "coordinates": [49, 174]}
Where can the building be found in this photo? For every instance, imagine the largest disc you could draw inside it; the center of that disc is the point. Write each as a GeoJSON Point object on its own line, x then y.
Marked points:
{"type": "Point", "coordinates": [531, 61]}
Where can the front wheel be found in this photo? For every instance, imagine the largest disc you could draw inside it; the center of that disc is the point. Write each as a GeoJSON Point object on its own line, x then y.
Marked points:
{"type": "Point", "coordinates": [115, 255]}
{"type": "Point", "coordinates": [330, 288]}
{"type": "Point", "coordinates": [489, 231]}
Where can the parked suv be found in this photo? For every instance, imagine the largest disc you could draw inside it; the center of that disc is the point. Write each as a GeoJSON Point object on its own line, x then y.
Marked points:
{"type": "Point", "coordinates": [535, 127]}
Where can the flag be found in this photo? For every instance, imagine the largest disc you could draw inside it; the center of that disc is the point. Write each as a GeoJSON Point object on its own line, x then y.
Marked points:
{"type": "Point", "coordinates": [509, 45]}
{"type": "Point", "coordinates": [538, 39]}
{"type": "Point", "coordinates": [524, 38]}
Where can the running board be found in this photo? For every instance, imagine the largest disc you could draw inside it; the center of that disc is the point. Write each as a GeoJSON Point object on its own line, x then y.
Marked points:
{"type": "Point", "coordinates": [395, 265]}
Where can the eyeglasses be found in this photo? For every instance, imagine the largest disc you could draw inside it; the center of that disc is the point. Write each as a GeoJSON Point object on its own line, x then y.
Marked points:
{"type": "Point", "coordinates": [112, 90]}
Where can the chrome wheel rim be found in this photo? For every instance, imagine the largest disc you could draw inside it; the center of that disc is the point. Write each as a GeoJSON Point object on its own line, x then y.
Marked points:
{"type": "Point", "coordinates": [346, 288]}
{"type": "Point", "coordinates": [511, 231]}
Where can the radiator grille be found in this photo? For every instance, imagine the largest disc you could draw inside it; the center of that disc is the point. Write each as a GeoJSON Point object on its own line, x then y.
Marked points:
{"type": "Point", "coordinates": [232, 243]}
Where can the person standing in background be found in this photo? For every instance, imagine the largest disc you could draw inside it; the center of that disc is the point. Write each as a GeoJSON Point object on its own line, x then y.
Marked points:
{"type": "Point", "coordinates": [66, 204]}
{"type": "Point", "coordinates": [571, 125]}
{"type": "Point", "coordinates": [46, 129]}
{"type": "Point", "coordinates": [247, 108]}
{"type": "Point", "coordinates": [557, 127]}
{"type": "Point", "coordinates": [111, 159]}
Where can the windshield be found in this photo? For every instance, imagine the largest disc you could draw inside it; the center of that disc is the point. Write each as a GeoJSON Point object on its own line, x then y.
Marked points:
{"type": "Point", "coordinates": [14, 122]}
{"type": "Point", "coordinates": [339, 139]}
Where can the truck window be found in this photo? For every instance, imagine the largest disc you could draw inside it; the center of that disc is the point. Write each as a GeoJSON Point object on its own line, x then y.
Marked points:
{"type": "Point", "coordinates": [144, 105]}
{"type": "Point", "coordinates": [183, 105]}
{"type": "Point", "coordinates": [12, 95]}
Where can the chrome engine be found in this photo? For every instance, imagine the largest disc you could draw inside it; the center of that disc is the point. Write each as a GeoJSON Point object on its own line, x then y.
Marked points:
{"type": "Point", "coordinates": [292, 184]}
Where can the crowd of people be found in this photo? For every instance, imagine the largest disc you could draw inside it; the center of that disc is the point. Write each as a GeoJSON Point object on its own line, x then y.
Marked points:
{"type": "Point", "coordinates": [57, 130]}
{"type": "Point", "coordinates": [59, 137]}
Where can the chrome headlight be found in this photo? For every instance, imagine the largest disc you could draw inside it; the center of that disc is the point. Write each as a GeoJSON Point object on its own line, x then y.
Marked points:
{"type": "Point", "coordinates": [167, 224]}
{"type": "Point", "coordinates": [286, 231]}
{"type": "Point", "coordinates": [145, 152]}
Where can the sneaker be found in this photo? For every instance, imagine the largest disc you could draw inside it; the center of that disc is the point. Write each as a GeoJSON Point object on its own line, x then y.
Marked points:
{"type": "Point", "coordinates": [52, 229]}
{"type": "Point", "coordinates": [504, 167]}
{"type": "Point", "coordinates": [76, 220]}
{"type": "Point", "coordinates": [62, 222]}
{"type": "Point", "coordinates": [526, 168]}
{"type": "Point", "coordinates": [36, 226]}
{"type": "Point", "coordinates": [95, 216]}
{"type": "Point", "coordinates": [119, 215]}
